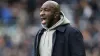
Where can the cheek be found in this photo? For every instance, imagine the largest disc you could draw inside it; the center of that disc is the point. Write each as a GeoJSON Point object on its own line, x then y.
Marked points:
{"type": "Point", "coordinates": [49, 14]}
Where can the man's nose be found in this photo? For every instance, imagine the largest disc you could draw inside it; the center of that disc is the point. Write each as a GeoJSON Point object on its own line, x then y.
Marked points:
{"type": "Point", "coordinates": [42, 13]}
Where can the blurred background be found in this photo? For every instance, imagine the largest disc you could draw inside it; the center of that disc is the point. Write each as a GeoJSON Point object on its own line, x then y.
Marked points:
{"type": "Point", "coordinates": [20, 21]}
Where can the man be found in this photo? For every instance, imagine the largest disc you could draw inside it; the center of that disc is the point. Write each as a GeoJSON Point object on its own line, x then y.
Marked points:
{"type": "Point", "coordinates": [57, 37]}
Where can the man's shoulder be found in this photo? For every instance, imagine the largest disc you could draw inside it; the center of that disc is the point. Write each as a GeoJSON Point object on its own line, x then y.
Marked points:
{"type": "Point", "coordinates": [73, 32]}
{"type": "Point", "coordinates": [72, 29]}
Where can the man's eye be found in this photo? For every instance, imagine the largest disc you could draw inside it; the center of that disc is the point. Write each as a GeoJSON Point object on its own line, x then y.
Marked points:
{"type": "Point", "coordinates": [40, 9]}
{"type": "Point", "coordinates": [46, 9]}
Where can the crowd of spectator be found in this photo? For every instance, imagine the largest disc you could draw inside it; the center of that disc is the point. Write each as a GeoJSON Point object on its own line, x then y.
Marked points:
{"type": "Point", "coordinates": [20, 21]}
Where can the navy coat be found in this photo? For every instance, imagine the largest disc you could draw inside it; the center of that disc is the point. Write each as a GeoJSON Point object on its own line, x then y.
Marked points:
{"type": "Point", "coordinates": [67, 41]}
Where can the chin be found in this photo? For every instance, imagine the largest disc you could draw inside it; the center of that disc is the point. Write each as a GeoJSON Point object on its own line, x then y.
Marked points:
{"type": "Point", "coordinates": [44, 25]}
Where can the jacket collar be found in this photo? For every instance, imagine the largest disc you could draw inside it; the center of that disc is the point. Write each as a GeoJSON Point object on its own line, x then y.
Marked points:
{"type": "Point", "coordinates": [62, 28]}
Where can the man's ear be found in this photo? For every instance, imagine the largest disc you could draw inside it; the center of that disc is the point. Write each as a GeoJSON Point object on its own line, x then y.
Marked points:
{"type": "Point", "coordinates": [56, 14]}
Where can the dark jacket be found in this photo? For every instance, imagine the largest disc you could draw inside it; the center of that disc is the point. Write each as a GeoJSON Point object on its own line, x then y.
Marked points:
{"type": "Point", "coordinates": [67, 41]}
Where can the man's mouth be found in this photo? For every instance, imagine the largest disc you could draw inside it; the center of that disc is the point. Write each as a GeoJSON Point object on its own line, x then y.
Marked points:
{"type": "Point", "coordinates": [43, 20]}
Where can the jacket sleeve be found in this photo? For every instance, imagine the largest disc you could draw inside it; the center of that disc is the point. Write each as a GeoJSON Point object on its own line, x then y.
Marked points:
{"type": "Point", "coordinates": [75, 43]}
{"type": "Point", "coordinates": [33, 52]}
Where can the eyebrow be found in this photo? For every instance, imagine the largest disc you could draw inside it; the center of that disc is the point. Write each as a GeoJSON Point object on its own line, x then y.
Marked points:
{"type": "Point", "coordinates": [45, 8]}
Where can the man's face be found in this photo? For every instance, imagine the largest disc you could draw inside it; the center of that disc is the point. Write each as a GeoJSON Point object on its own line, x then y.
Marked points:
{"type": "Point", "coordinates": [47, 14]}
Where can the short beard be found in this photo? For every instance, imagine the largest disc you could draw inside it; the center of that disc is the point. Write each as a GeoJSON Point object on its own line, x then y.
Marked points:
{"type": "Point", "coordinates": [51, 22]}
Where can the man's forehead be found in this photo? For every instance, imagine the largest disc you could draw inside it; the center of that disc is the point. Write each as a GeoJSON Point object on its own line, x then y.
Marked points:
{"type": "Point", "coordinates": [49, 4]}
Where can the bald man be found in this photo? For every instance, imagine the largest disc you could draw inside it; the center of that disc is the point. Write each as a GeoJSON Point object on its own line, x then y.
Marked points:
{"type": "Point", "coordinates": [57, 37]}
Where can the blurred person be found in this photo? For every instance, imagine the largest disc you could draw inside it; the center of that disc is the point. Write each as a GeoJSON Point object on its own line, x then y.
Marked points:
{"type": "Point", "coordinates": [96, 39]}
{"type": "Point", "coordinates": [2, 44]}
{"type": "Point", "coordinates": [31, 7]}
{"type": "Point", "coordinates": [57, 37]}
{"type": "Point", "coordinates": [19, 16]}
{"type": "Point", "coordinates": [94, 6]}
{"type": "Point", "coordinates": [88, 39]}
{"type": "Point", "coordinates": [17, 27]}
{"type": "Point", "coordinates": [91, 38]}
{"type": "Point", "coordinates": [86, 14]}
{"type": "Point", "coordinates": [6, 14]}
